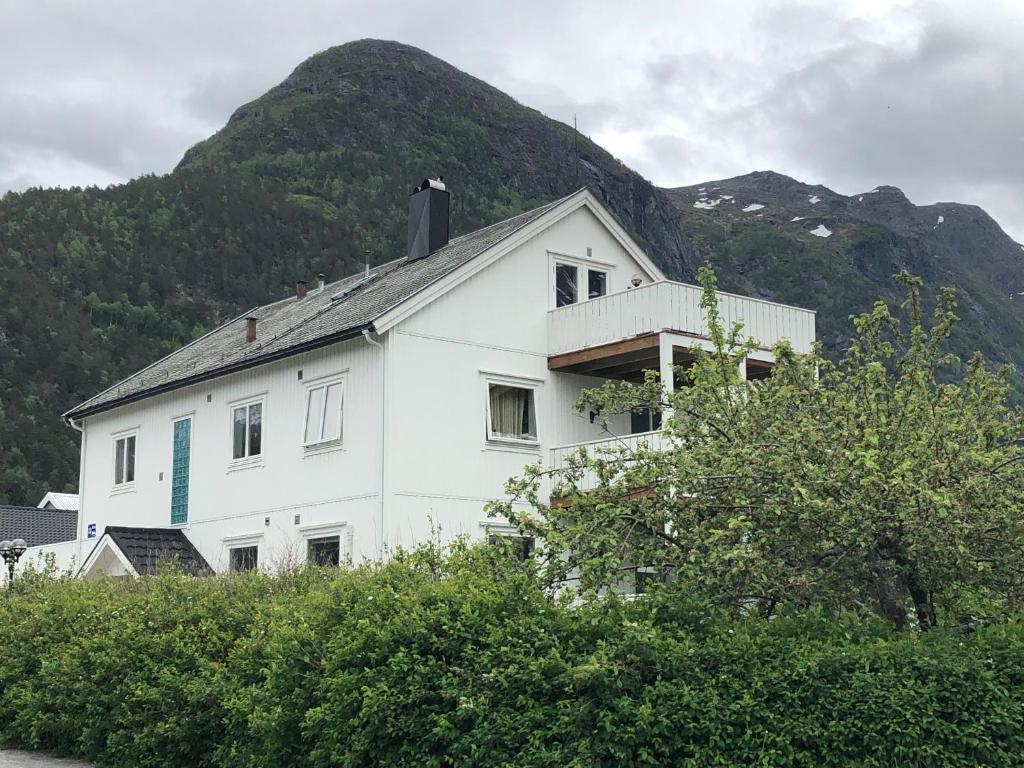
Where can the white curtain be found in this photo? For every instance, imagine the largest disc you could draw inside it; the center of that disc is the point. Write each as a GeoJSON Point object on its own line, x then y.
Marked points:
{"type": "Point", "coordinates": [508, 409]}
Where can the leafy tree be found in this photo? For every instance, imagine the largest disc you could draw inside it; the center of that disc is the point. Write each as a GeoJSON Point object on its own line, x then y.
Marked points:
{"type": "Point", "coordinates": [868, 485]}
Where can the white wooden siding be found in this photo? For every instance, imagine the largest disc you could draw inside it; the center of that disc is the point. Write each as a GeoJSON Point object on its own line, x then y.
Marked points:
{"type": "Point", "coordinates": [558, 456]}
{"type": "Point", "coordinates": [321, 487]}
{"type": "Point", "coordinates": [668, 305]}
{"type": "Point", "coordinates": [440, 467]}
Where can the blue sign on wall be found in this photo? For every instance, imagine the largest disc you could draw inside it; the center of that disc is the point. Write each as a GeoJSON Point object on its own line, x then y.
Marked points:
{"type": "Point", "coordinates": [90, 531]}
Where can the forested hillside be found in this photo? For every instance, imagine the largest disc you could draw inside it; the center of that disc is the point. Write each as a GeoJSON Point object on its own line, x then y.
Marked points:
{"type": "Point", "coordinates": [313, 177]}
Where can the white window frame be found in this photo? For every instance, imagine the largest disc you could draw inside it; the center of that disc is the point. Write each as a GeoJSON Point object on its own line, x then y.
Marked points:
{"type": "Point", "coordinates": [323, 383]}
{"type": "Point", "coordinates": [554, 282]}
{"type": "Point", "coordinates": [325, 531]}
{"type": "Point", "coordinates": [607, 282]}
{"type": "Point", "coordinates": [507, 531]}
{"type": "Point", "coordinates": [116, 437]}
{"type": "Point", "coordinates": [240, 542]}
{"type": "Point", "coordinates": [521, 382]}
{"type": "Point", "coordinates": [247, 460]}
{"type": "Point", "coordinates": [583, 267]}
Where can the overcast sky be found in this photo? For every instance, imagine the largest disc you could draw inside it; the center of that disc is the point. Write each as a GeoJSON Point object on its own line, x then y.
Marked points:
{"type": "Point", "coordinates": [926, 96]}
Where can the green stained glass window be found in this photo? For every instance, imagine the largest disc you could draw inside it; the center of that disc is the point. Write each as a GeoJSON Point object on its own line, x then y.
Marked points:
{"type": "Point", "coordinates": [180, 471]}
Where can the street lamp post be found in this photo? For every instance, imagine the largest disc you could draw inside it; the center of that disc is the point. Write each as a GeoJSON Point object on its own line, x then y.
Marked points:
{"type": "Point", "coordinates": [11, 552]}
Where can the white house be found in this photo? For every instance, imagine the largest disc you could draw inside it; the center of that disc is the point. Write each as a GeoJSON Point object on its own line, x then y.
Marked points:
{"type": "Point", "coordinates": [62, 501]}
{"type": "Point", "coordinates": [389, 407]}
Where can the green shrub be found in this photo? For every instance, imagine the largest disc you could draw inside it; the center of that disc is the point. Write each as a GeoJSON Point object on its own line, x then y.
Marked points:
{"type": "Point", "coordinates": [461, 659]}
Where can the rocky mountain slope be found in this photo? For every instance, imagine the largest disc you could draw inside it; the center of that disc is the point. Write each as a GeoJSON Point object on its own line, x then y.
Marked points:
{"type": "Point", "coordinates": [778, 238]}
{"type": "Point", "coordinates": [313, 177]}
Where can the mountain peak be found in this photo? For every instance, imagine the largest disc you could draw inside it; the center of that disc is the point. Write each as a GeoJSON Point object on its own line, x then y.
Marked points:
{"type": "Point", "coordinates": [889, 193]}
{"type": "Point", "coordinates": [373, 102]}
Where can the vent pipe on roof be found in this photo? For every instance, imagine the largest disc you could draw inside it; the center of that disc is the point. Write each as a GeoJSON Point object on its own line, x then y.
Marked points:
{"type": "Point", "coordinates": [320, 278]}
{"type": "Point", "coordinates": [428, 218]}
{"type": "Point", "coordinates": [300, 289]}
{"type": "Point", "coordinates": [250, 330]}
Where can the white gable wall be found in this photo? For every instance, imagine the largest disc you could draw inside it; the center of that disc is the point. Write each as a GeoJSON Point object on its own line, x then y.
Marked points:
{"type": "Point", "coordinates": [441, 468]}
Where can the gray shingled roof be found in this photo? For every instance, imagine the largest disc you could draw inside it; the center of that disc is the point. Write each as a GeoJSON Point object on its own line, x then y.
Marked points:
{"type": "Point", "coordinates": [148, 548]}
{"type": "Point", "coordinates": [38, 526]}
{"type": "Point", "coordinates": [294, 325]}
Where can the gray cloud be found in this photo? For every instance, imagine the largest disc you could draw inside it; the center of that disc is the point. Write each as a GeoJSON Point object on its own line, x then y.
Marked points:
{"type": "Point", "coordinates": [920, 94]}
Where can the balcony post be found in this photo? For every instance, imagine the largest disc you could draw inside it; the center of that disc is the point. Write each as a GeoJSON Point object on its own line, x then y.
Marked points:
{"type": "Point", "coordinates": [665, 361]}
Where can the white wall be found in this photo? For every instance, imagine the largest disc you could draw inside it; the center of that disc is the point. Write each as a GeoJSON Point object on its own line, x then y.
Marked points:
{"type": "Point", "coordinates": [338, 486]}
{"type": "Point", "coordinates": [441, 468]}
{"type": "Point", "coordinates": [65, 558]}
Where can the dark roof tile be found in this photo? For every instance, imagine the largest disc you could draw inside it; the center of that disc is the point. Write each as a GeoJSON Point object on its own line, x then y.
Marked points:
{"type": "Point", "coordinates": [147, 548]}
{"type": "Point", "coordinates": [38, 526]}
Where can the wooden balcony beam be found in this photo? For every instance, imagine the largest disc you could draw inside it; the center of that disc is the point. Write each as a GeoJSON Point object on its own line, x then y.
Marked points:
{"type": "Point", "coordinates": [605, 354]}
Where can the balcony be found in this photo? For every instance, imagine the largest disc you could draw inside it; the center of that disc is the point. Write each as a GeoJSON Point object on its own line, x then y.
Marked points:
{"type": "Point", "coordinates": [558, 458]}
{"type": "Point", "coordinates": [632, 325]}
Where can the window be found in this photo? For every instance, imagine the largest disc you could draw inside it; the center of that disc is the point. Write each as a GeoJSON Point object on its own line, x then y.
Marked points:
{"type": "Point", "coordinates": [758, 370]}
{"type": "Point", "coordinates": [324, 551]}
{"type": "Point", "coordinates": [324, 406]}
{"type": "Point", "coordinates": [597, 283]}
{"type": "Point", "coordinates": [568, 289]}
{"type": "Point", "coordinates": [244, 558]}
{"type": "Point", "coordinates": [181, 458]}
{"type": "Point", "coordinates": [521, 547]}
{"type": "Point", "coordinates": [566, 276]}
{"type": "Point", "coordinates": [644, 420]}
{"type": "Point", "coordinates": [512, 413]}
{"type": "Point", "coordinates": [246, 430]}
{"type": "Point", "coordinates": [124, 460]}
{"type": "Point", "coordinates": [646, 577]}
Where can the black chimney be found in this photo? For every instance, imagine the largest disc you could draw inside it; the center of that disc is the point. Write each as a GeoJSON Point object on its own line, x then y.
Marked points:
{"type": "Point", "coordinates": [428, 218]}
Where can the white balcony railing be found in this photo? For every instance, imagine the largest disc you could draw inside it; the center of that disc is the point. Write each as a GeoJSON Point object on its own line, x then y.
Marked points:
{"type": "Point", "coordinates": [670, 306]}
{"type": "Point", "coordinates": [558, 456]}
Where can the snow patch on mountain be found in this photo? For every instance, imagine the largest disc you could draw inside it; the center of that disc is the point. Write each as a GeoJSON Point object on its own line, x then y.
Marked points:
{"type": "Point", "coordinates": [821, 231]}
{"type": "Point", "coordinates": [753, 207]}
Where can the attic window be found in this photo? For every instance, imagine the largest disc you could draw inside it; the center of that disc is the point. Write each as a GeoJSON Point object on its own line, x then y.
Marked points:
{"type": "Point", "coordinates": [578, 282]}
{"type": "Point", "coordinates": [566, 277]}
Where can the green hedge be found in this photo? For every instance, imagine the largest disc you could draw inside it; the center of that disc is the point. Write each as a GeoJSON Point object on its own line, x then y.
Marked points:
{"type": "Point", "coordinates": [463, 661]}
